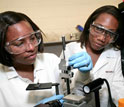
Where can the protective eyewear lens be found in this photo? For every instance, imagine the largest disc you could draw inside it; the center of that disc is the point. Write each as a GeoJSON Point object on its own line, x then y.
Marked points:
{"type": "Point", "coordinates": [97, 30]}
{"type": "Point", "coordinates": [19, 45]}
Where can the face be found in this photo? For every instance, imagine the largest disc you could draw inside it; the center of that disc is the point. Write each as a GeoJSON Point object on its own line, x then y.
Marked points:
{"type": "Point", "coordinates": [19, 30]}
{"type": "Point", "coordinates": [99, 41]}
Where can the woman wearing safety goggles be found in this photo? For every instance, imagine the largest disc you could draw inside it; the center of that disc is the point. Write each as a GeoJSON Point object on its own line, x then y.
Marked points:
{"type": "Point", "coordinates": [99, 39]}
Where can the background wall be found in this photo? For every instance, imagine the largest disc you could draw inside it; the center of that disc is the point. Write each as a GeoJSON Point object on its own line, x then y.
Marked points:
{"type": "Point", "coordinates": [56, 17]}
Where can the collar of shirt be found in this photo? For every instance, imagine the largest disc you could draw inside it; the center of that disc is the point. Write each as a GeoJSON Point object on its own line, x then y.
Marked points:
{"type": "Point", "coordinates": [11, 72]}
{"type": "Point", "coordinates": [38, 65]}
{"type": "Point", "coordinates": [110, 52]}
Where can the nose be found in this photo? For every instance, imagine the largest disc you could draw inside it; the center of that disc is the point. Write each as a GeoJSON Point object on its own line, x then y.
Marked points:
{"type": "Point", "coordinates": [102, 38]}
{"type": "Point", "coordinates": [30, 47]}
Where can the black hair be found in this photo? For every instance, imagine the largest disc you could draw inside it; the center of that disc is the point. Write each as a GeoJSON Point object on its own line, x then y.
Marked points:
{"type": "Point", "coordinates": [7, 19]}
{"type": "Point", "coordinates": [104, 9]}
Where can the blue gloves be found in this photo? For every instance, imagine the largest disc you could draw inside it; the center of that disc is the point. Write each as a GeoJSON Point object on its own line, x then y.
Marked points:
{"type": "Point", "coordinates": [82, 61]}
{"type": "Point", "coordinates": [55, 97]}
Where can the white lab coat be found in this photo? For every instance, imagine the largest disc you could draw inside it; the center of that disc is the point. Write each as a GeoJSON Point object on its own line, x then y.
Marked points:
{"type": "Point", "coordinates": [13, 87]}
{"type": "Point", "coordinates": [108, 66]}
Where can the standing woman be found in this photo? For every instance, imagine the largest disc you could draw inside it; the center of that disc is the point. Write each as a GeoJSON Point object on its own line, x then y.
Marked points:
{"type": "Point", "coordinates": [98, 39]}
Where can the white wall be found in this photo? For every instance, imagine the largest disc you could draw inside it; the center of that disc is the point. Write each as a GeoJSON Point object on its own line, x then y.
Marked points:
{"type": "Point", "coordinates": [56, 17]}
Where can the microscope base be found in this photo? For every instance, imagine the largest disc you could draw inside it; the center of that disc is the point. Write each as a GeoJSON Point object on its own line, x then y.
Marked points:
{"type": "Point", "coordinates": [74, 105]}
{"type": "Point", "coordinates": [74, 101]}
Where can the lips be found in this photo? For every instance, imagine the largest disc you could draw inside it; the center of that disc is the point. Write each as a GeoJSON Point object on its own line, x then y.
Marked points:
{"type": "Point", "coordinates": [98, 45]}
{"type": "Point", "coordinates": [31, 57]}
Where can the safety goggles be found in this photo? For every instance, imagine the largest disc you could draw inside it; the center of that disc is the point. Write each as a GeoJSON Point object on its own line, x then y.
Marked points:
{"type": "Point", "coordinates": [98, 30]}
{"type": "Point", "coordinates": [20, 45]}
